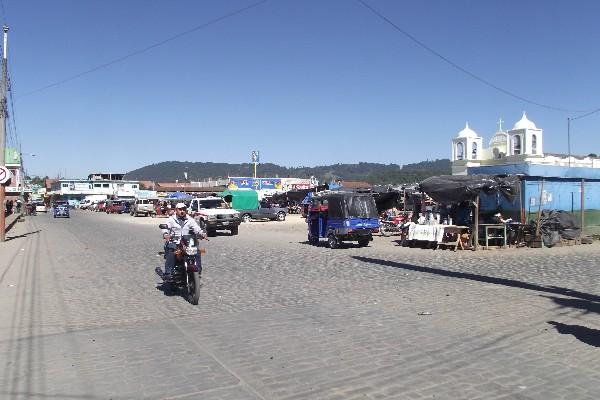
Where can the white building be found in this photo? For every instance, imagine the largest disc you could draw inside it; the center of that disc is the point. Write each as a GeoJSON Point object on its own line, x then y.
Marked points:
{"type": "Point", "coordinates": [523, 144]}
{"type": "Point", "coordinates": [96, 185]}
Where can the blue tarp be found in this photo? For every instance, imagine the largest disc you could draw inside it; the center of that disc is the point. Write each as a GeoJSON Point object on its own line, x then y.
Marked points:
{"type": "Point", "coordinates": [178, 196]}
{"type": "Point", "coordinates": [308, 197]}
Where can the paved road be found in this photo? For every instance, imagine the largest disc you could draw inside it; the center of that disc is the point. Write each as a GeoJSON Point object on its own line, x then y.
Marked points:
{"type": "Point", "coordinates": [82, 317]}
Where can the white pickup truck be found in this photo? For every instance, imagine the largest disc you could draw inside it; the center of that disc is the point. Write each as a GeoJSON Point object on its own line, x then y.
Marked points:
{"type": "Point", "coordinates": [214, 214]}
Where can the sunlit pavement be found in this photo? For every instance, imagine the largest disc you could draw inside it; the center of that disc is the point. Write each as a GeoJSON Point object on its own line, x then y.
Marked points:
{"type": "Point", "coordinates": [82, 316]}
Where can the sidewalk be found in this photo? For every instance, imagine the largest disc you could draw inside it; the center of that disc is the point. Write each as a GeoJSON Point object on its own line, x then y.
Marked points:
{"type": "Point", "coordinates": [11, 220]}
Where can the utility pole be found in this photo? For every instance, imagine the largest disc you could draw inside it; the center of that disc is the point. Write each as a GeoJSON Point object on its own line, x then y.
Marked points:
{"type": "Point", "coordinates": [569, 139]}
{"type": "Point", "coordinates": [3, 136]}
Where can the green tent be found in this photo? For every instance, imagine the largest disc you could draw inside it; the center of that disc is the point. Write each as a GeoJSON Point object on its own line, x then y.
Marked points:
{"type": "Point", "coordinates": [241, 199]}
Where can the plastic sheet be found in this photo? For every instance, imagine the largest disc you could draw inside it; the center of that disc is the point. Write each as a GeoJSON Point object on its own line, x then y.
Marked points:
{"type": "Point", "coordinates": [453, 189]}
{"type": "Point", "coordinates": [556, 224]}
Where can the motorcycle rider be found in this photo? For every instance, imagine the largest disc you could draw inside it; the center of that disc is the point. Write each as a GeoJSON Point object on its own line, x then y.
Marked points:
{"type": "Point", "coordinates": [178, 224]}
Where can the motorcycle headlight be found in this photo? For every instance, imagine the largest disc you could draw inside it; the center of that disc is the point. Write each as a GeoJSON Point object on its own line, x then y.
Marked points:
{"type": "Point", "coordinates": [191, 251]}
{"type": "Point", "coordinates": [236, 215]}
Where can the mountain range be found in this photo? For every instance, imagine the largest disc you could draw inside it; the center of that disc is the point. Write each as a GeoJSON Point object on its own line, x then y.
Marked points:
{"type": "Point", "coordinates": [374, 173]}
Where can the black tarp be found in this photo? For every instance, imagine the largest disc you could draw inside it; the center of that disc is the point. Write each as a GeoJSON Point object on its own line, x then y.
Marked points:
{"type": "Point", "coordinates": [453, 189]}
{"type": "Point", "coordinates": [297, 195]}
{"type": "Point", "coordinates": [385, 201]}
{"type": "Point", "coordinates": [556, 224]}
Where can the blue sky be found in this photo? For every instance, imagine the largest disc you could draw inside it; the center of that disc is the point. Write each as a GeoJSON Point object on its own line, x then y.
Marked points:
{"type": "Point", "coordinates": [305, 82]}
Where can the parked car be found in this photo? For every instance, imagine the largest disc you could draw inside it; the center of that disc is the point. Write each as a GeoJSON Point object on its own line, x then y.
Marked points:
{"type": "Point", "coordinates": [114, 207]}
{"type": "Point", "coordinates": [40, 207]}
{"type": "Point", "coordinates": [142, 207]}
{"type": "Point", "coordinates": [61, 209]}
{"type": "Point", "coordinates": [215, 214]}
{"type": "Point", "coordinates": [265, 211]}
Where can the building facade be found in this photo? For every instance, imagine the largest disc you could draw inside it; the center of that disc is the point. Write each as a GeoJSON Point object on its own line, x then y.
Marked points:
{"type": "Point", "coordinates": [17, 187]}
{"type": "Point", "coordinates": [518, 147]}
{"type": "Point", "coordinates": [97, 185]}
{"type": "Point", "coordinates": [548, 181]}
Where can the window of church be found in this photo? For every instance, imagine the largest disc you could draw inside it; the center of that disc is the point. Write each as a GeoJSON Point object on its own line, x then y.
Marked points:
{"type": "Point", "coordinates": [474, 151]}
{"type": "Point", "coordinates": [459, 151]}
{"type": "Point", "coordinates": [517, 144]}
{"type": "Point", "coordinates": [533, 144]}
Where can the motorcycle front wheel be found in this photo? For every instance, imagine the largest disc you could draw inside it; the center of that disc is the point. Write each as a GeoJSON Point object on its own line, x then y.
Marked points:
{"type": "Point", "coordinates": [193, 287]}
{"type": "Point", "coordinates": [384, 229]}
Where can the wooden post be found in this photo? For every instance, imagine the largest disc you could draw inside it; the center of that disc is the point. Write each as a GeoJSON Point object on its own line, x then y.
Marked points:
{"type": "Point", "coordinates": [521, 201]}
{"type": "Point", "coordinates": [582, 207]}
{"type": "Point", "coordinates": [476, 228]}
{"type": "Point", "coordinates": [537, 225]}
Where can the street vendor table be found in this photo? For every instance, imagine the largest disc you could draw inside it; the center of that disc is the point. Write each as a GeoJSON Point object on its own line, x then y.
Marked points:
{"type": "Point", "coordinates": [455, 236]}
{"type": "Point", "coordinates": [427, 233]}
{"type": "Point", "coordinates": [439, 234]}
{"type": "Point", "coordinates": [494, 231]}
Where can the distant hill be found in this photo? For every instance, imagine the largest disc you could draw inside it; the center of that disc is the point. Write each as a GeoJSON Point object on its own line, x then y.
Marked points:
{"type": "Point", "coordinates": [169, 171]}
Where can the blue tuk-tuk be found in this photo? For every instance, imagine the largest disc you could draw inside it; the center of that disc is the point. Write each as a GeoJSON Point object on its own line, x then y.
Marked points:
{"type": "Point", "coordinates": [340, 217]}
{"type": "Point", "coordinates": [61, 209]}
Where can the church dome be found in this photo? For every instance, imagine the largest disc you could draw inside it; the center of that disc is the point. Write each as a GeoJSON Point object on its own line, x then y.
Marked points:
{"type": "Point", "coordinates": [499, 138]}
{"type": "Point", "coordinates": [524, 123]}
{"type": "Point", "coordinates": [467, 132]}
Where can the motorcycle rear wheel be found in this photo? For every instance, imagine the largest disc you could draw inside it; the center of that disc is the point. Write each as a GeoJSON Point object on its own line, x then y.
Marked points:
{"type": "Point", "coordinates": [193, 287]}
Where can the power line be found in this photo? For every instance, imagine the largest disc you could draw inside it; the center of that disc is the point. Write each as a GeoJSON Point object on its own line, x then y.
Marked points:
{"type": "Point", "coordinates": [585, 115]}
{"type": "Point", "coordinates": [464, 70]}
{"type": "Point", "coordinates": [145, 49]}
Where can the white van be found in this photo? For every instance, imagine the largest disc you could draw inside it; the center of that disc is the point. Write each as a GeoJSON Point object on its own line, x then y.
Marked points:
{"type": "Point", "coordinates": [143, 207]}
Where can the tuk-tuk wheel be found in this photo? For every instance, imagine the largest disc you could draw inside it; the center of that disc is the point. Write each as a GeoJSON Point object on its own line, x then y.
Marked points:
{"type": "Point", "coordinates": [363, 242]}
{"type": "Point", "coordinates": [333, 242]}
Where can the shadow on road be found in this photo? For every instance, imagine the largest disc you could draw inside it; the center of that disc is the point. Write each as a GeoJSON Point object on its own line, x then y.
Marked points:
{"type": "Point", "coordinates": [585, 305]}
{"type": "Point", "coordinates": [323, 243]}
{"type": "Point", "coordinates": [166, 291]}
{"type": "Point", "coordinates": [483, 278]}
{"type": "Point", "coordinates": [584, 301]}
{"type": "Point", "coordinates": [22, 236]}
{"type": "Point", "coordinates": [586, 335]}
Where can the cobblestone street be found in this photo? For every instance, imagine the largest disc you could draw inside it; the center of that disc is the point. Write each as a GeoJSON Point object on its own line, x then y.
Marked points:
{"type": "Point", "coordinates": [82, 316]}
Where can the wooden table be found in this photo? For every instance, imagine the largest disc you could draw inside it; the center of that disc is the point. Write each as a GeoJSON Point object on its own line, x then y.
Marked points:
{"type": "Point", "coordinates": [448, 235]}
{"type": "Point", "coordinates": [453, 237]}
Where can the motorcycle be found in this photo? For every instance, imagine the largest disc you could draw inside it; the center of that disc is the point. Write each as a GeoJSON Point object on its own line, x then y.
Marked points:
{"type": "Point", "coordinates": [392, 226]}
{"type": "Point", "coordinates": [188, 266]}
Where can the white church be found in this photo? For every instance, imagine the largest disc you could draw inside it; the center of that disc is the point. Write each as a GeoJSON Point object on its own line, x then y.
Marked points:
{"type": "Point", "coordinates": [523, 144]}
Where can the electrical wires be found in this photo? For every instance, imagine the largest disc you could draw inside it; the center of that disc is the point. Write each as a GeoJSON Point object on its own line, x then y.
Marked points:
{"type": "Point", "coordinates": [147, 48]}
{"type": "Point", "coordinates": [467, 72]}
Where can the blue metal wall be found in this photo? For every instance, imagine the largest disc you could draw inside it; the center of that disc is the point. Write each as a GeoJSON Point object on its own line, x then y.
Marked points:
{"type": "Point", "coordinates": [562, 191]}
{"type": "Point", "coordinates": [561, 194]}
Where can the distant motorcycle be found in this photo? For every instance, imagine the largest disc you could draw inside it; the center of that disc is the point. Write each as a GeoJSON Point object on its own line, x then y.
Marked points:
{"type": "Point", "coordinates": [392, 226]}
{"type": "Point", "coordinates": [188, 267]}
